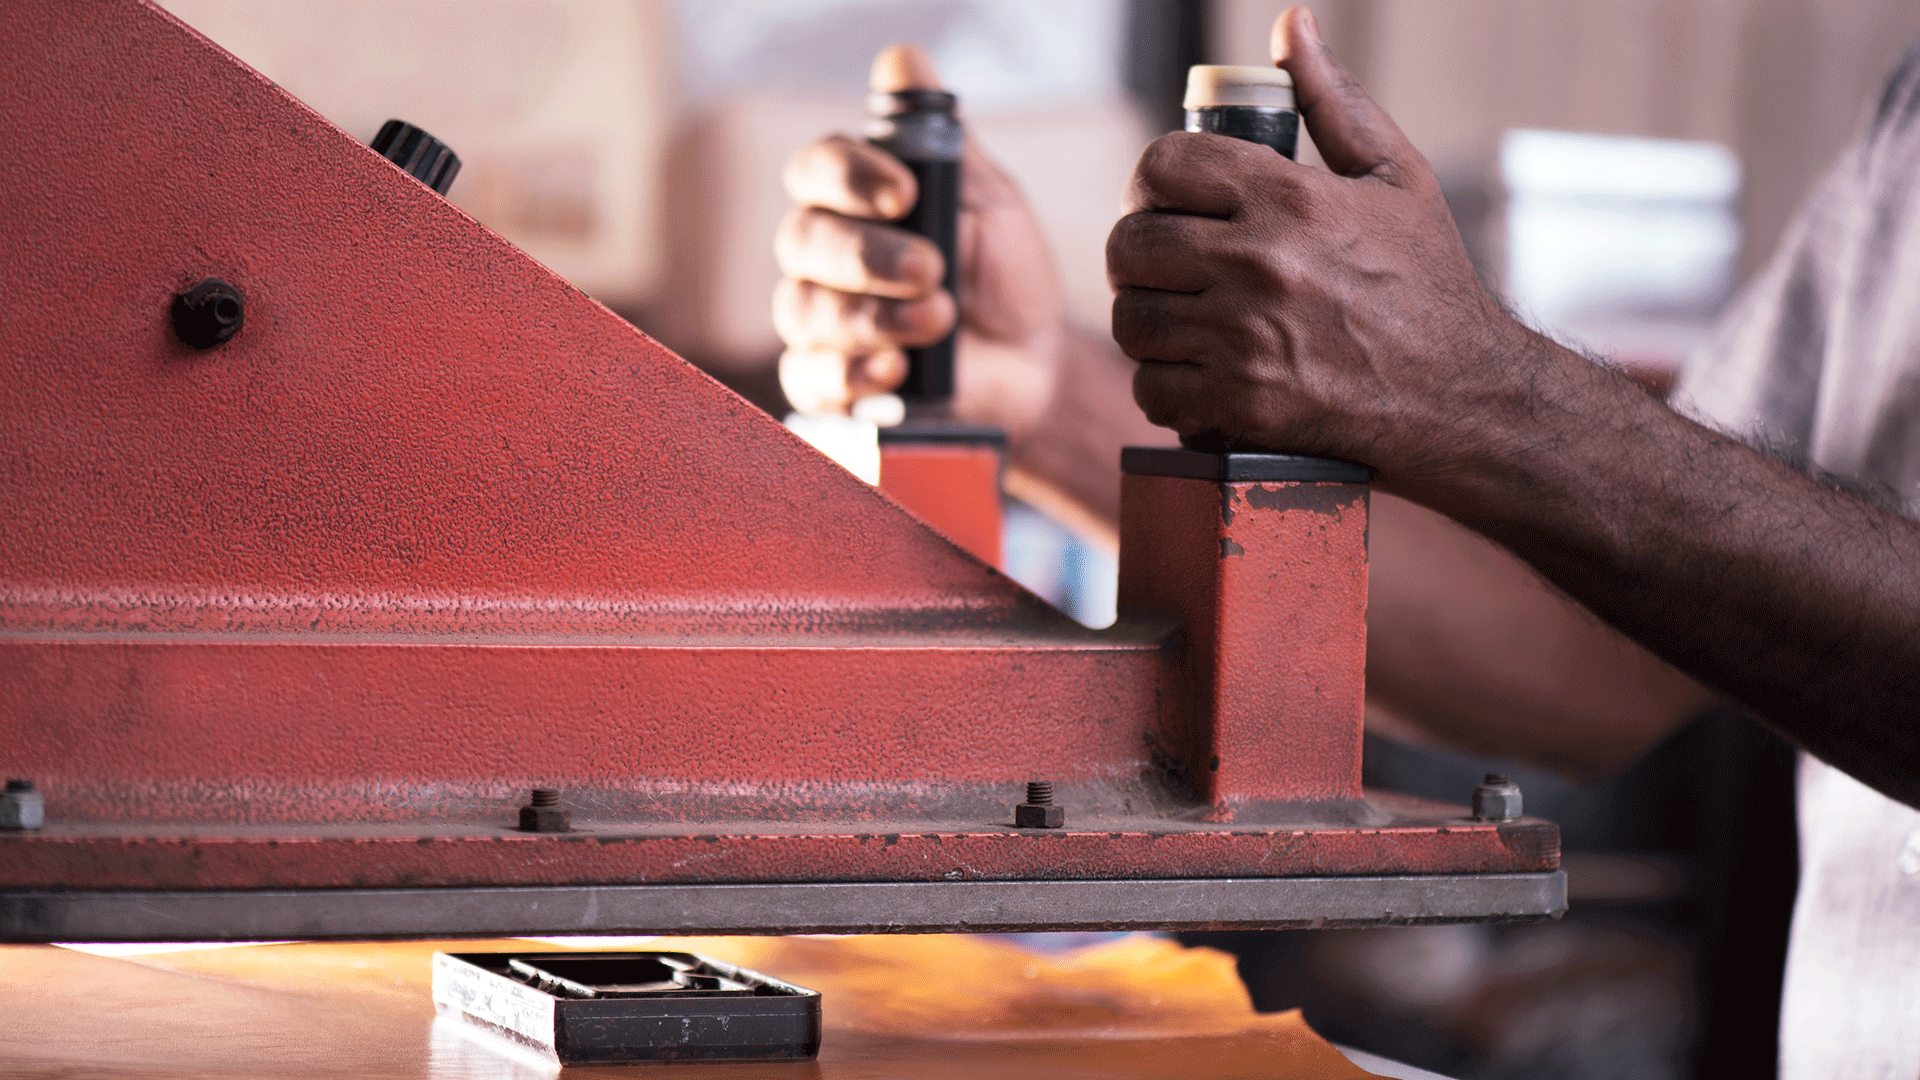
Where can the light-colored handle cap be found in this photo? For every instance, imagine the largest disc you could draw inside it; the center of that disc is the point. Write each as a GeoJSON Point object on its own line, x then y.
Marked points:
{"type": "Point", "coordinates": [1212, 85]}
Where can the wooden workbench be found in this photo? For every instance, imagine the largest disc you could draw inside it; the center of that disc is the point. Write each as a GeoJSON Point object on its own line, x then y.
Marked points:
{"type": "Point", "coordinates": [922, 1007]}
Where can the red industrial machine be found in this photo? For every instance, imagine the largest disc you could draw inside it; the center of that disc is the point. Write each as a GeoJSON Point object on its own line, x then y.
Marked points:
{"type": "Point", "coordinates": [292, 624]}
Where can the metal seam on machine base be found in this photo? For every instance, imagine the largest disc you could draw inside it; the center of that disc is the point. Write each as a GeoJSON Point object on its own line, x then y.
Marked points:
{"type": "Point", "coordinates": [43, 915]}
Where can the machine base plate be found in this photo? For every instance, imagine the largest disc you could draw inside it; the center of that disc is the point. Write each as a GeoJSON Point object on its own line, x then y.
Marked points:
{"type": "Point", "coordinates": [43, 915]}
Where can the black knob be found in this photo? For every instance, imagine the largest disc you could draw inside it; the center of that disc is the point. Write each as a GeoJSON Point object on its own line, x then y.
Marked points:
{"type": "Point", "coordinates": [208, 314]}
{"type": "Point", "coordinates": [418, 154]}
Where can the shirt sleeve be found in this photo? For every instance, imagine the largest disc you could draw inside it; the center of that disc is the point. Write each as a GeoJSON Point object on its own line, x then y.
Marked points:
{"type": "Point", "coordinates": [1762, 373]}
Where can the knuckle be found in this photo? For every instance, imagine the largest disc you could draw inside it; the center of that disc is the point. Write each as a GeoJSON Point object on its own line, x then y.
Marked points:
{"type": "Point", "coordinates": [813, 381]}
{"type": "Point", "coordinates": [1142, 242]}
{"type": "Point", "coordinates": [789, 240]}
{"type": "Point", "coordinates": [1120, 245]}
{"type": "Point", "coordinates": [1137, 323]}
{"type": "Point", "coordinates": [803, 238]}
{"type": "Point", "coordinates": [1150, 393]}
{"type": "Point", "coordinates": [1127, 232]}
{"type": "Point", "coordinates": [1166, 152]}
{"type": "Point", "coordinates": [816, 170]}
{"type": "Point", "coordinates": [850, 317]}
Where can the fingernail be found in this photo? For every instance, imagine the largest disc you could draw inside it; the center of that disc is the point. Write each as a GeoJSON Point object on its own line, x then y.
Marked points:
{"type": "Point", "coordinates": [1313, 28]}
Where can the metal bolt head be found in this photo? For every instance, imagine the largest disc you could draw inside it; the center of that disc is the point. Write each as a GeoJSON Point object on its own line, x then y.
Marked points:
{"type": "Point", "coordinates": [208, 314]}
{"type": "Point", "coordinates": [1038, 812]}
{"type": "Point", "coordinates": [21, 807]}
{"type": "Point", "coordinates": [543, 814]}
{"type": "Point", "coordinates": [1496, 799]}
{"type": "Point", "coordinates": [545, 819]}
{"type": "Point", "coordinates": [1034, 816]}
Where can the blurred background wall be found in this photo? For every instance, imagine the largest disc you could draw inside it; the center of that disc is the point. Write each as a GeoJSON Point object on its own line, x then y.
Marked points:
{"type": "Point", "coordinates": [615, 139]}
{"type": "Point", "coordinates": [1617, 167]}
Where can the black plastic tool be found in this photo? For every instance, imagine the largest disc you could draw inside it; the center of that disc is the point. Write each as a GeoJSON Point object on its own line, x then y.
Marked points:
{"type": "Point", "coordinates": [919, 127]}
{"type": "Point", "coordinates": [588, 1008]}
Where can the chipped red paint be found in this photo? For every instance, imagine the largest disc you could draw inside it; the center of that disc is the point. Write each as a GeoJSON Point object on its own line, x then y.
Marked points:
{"type": "Point", "coordinates": [317, 606]}
{"type": "Point", "coordinates": [1269, 582]}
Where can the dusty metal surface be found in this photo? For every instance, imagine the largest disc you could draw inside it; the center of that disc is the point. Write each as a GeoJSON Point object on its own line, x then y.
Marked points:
{"type": "Point", "coordinates": [1252, 571]}
{"type": "Point", "coordinates": [316, 606]}
{"type": "Point", "coordinates": [837, 908]}
{"type": "Point", "coordinates": [616, 849]}
{"type": "Point", "coordinates": [420, 430]}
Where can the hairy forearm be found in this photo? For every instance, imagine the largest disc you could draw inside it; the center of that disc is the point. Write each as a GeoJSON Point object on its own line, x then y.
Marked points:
{"type": "Point", "coordinates": [1799, 601]}
{"type": "Point", "coordinates": [1464, 639]}
{"type": "Point", "coordinates": [1466, 642]}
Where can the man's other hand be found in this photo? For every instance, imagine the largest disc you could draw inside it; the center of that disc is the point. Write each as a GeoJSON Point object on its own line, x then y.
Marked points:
{"type": "Point", "coordinates": [1271, 305]}
{"type": "Point", "coordinates": [857, 291]}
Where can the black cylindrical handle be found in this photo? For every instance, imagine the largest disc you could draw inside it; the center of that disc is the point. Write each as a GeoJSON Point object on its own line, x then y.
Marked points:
{"type": "Point", "coordinates": [1243, 116]}
{"type": "Point", "coordinates": [919, 127]}
{"type": "Point", "coordinates": [418, 154]}
{"type": "Point", "coordinates": [1263, 124]}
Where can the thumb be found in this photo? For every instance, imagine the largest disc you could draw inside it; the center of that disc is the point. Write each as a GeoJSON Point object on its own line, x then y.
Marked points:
{"type": "Point", "coordinates": [906, 67]}
{"type": "Point", "coordinates": [902, 67]}
{"type": "Point", "coordinates": [1354, 136]}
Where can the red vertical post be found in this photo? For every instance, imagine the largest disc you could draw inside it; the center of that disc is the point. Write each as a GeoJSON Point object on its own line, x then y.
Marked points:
{"type": "Point", "coordinates": [949, 476]}
{"type": "Point", "coordinates": [1261, 559]}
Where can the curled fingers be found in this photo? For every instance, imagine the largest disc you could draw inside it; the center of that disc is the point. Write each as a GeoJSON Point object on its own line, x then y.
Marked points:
{"type": "Point", "coordinates": [810, 315]}
{"type": "Point", "coordinates": [857, 256]}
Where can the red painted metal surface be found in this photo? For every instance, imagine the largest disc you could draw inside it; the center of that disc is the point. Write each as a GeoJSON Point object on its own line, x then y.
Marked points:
{"type": "Point", "coordinates": [316, 607]}
{"type": "Point", "coordinates": [1269, 583]}
{"type": "Point", "coordinates": [954, 487]}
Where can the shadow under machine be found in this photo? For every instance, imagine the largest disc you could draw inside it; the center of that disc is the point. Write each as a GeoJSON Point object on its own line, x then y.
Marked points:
{"type": "Point", "coordinates": [291, 624]}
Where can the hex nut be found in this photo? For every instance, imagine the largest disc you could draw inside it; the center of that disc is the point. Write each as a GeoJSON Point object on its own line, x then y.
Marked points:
{"type": "Point", "coordinates": [22, 809]}
{"type": "Point", "coordinates": [546, 819]}
{"type": "Point", "coordinates": [1033, 816]}
{"type": "Point", "coordinates": [1496, 799]}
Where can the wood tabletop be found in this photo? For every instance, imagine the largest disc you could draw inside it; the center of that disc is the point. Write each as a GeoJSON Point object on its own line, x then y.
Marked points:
{"type": "Point", "coordinates": [933, 1007]}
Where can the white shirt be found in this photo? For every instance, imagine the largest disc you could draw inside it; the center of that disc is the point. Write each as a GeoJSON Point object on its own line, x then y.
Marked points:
{"type": "Point", "coordinates": [1821, 358]}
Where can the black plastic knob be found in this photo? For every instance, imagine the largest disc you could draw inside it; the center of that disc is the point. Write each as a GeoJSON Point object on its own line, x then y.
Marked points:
{"type": "Point", "coordinates": [418, 154]}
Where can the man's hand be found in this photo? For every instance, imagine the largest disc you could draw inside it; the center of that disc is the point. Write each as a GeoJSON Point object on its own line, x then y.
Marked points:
{"type": "Point", "coordinates": [1276, 306]}
{"type": "Point", "coordinates": [858, 291]}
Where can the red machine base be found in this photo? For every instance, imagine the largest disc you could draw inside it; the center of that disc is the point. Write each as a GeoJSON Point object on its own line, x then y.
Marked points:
{"type": "Point", "coordinates": [313, 606]}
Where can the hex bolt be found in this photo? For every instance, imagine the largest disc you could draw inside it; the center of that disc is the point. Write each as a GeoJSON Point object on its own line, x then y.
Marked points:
{"type": "Point", "coordinates": [543, 814]}
{"type": "Point", "coordinates": [1496, 799]}
{"type": "Point", "coordinates": [21, 808]}
{"type": "Point", "coordinates": [1038, 812]}
{"type": "Point", "coordinates": [208, 314]}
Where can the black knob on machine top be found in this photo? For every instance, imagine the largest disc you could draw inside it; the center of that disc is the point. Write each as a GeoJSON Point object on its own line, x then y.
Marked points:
{"type": "Point", "coordinates": [418, 154]}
